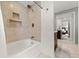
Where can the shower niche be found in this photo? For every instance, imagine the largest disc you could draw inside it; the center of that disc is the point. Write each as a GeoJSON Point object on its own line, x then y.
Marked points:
{"type": "Point", "coordinates": [15, 20]}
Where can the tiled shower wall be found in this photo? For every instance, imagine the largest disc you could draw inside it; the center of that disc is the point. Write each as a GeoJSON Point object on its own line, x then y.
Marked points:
{"type": "Point", "coordinates": [14, 32]}
{"type": "Point", "coordinates": [34, 14]}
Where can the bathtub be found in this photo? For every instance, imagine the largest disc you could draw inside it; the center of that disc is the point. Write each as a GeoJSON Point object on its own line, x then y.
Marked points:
{"type": "Point", "coordinates": [24, 48]}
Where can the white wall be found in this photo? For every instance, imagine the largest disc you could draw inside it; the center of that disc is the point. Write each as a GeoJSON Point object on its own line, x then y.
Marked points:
{"type": "Point", "coordinates": [2, 37]}
{"type": "Point", "coordinates": [78, 23]}
{"type": "Point", "coordinates": [47, 28]}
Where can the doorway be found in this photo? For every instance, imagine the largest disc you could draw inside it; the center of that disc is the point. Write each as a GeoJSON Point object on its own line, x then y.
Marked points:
{"type": "Point", "coordinates": [65, 28]}
{"type": "Point", "coordinates": [65, 22]}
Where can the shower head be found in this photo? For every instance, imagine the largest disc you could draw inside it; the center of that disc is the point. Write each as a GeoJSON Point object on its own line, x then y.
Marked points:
{"type": "Point", "coordinates": [30, 7]}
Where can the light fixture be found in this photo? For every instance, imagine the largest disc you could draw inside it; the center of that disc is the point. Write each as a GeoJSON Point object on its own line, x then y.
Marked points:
{"type": "Point", "coordinates": [11, 5]}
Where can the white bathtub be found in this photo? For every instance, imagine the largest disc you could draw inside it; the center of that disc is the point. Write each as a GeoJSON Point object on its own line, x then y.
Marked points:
{"type": "Point", "coordinates": [23, 48]}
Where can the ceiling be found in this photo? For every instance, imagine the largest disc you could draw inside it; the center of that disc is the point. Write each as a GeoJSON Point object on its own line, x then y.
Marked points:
{"type": "Point", "coordinates": [64, 5]}
{"type": "Point", "coordinates": [58, 5]}
{"type": "Point", "coordinates": [25, 3]}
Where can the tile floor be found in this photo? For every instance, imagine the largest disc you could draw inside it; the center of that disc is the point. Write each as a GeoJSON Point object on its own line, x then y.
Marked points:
{"type": "Point", "coordinates": [67, 49]}
{"type": "Point", "coordinates": [61, 53]}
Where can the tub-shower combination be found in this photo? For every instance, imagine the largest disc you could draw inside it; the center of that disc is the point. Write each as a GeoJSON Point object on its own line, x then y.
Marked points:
{"type": "Point", "coordinates": [16, 19]}
{"type": "Point", "coordinates": [23, 48]}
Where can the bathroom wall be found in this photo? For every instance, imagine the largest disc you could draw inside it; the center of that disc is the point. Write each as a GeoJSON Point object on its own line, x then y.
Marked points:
{"type": "Point", "coordinates": [34, 14]}
{"type": "Point", "coordinates": [2, 36]}
{"type": "Point", "coordinates": [15, 31]}
{"type": "Point", "coordinates": [47, 28]}
{"type": "Point", "coordinates": [78, 23]}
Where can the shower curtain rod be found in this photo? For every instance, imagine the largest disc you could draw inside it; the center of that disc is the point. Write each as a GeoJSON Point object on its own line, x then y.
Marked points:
{"type": "Point", "coordinates": [37, 5]}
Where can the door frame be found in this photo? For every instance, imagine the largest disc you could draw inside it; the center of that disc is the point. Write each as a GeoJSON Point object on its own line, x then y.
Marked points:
{"type": "Point", "coordinates": [74, 11]}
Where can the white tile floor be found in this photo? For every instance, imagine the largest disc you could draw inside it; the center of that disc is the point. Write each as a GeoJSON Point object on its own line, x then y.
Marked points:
{"type": "Point", "coordinates": [67, 49]}
{"type": "Point", "coordinates": [61, 53]}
